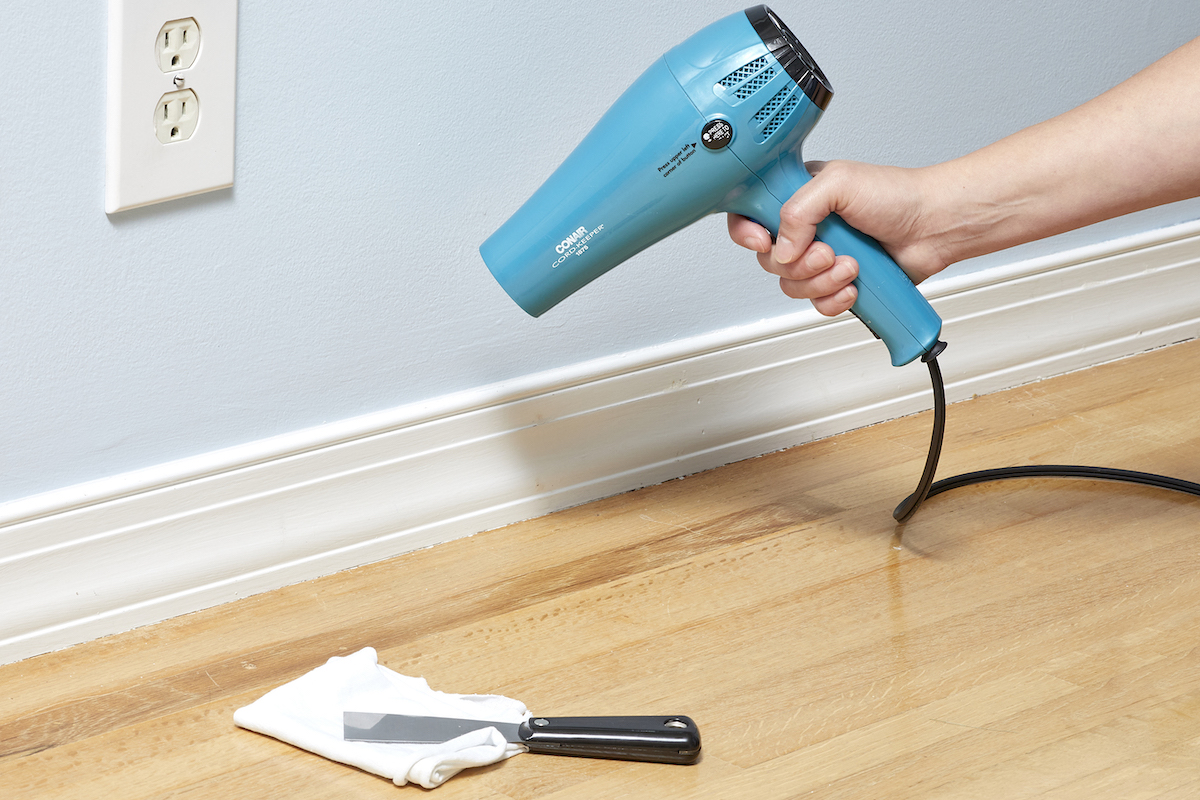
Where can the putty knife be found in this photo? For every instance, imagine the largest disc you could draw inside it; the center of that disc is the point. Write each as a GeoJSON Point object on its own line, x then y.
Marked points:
{"type": "Point", "coordinates": [666, 740]}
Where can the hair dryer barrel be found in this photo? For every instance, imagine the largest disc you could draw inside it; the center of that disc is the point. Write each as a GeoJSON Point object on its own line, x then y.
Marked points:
{"type": "Point", "coordinates": [619, 191]}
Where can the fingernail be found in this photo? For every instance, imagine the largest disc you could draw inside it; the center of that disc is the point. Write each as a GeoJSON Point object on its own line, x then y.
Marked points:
{"type": "Point", "coordinates": [843, 272]}
{"type": "Point", "coordinates": [785, 251]}
{"type": "Point", "coordinates": [753, 243]}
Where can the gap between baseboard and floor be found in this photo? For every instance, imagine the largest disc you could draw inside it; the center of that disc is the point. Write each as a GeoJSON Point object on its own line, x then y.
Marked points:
{"type": "Point", "coordinates": [111, 555]}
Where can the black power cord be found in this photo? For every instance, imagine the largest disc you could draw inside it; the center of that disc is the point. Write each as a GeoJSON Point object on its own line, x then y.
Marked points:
{"type": "Point", "coordinates": [927, 488]}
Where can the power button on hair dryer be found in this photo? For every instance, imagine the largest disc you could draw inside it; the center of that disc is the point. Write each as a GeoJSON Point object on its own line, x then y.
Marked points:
{"type": "Point", "coordinates": [716, 133]}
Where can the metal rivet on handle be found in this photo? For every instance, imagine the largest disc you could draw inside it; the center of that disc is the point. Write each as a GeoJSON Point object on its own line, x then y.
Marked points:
{"type": "Point", "coordinates": [675, 723]}
{"type": "Point", "coordinates": [540, 722]}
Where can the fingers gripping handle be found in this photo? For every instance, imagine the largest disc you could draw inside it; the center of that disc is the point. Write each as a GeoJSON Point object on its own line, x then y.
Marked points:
{"type": "Point", "coordinates": [888, 303]}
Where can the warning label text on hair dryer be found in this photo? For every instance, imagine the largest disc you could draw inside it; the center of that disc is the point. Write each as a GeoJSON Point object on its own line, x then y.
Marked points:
{"type": "Point", "coordinates": [575, 243]}
{"type": "Point", "coordinates": [674, 161]}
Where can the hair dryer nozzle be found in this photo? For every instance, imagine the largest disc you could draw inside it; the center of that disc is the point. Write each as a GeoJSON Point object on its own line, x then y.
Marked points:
{"type": "Point", "coordinates": [791, 55]}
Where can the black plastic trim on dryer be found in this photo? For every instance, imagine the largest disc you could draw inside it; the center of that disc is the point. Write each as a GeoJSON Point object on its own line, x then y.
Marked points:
{"type": "Point", "coordinates": [791, 55]}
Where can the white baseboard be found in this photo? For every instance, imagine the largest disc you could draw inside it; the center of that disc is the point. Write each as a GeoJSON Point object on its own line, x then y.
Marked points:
{"type": "Point", "coordinates": [111, 555]}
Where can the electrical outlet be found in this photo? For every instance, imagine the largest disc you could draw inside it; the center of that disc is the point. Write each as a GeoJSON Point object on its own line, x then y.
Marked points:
{"type": "Point", "coordinates": [176, 116]}
{"type": "Point", "coordinates": [171, 90]}
{"type": "Point", "coordinates": [177, 44]}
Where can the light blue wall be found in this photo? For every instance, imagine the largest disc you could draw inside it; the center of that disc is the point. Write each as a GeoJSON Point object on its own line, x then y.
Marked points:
{"type": "Point", "coordinates": [377, 144]}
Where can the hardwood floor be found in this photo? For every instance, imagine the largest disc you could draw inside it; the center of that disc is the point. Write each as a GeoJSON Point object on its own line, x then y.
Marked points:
{"type": "Point", "coordinates": [1020, 639]}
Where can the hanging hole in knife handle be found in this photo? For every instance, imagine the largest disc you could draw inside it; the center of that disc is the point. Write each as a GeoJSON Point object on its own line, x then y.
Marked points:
{"type": "Point", "coordinates": [675, 723]}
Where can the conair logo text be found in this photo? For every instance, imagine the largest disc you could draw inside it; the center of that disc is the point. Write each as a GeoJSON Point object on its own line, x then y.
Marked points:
{"type": "Point", "coordinates": [575, 243]}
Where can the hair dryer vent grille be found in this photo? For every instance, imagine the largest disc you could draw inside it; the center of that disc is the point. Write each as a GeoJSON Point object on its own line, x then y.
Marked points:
{"type": "Point", "coordinates": [749, 78]}
{"type": "Point", "coordinates": [784, 101]}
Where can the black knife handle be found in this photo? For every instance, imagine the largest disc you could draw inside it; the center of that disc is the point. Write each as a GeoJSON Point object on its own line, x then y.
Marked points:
{"type": "Point", "coordinates": [663, 740]}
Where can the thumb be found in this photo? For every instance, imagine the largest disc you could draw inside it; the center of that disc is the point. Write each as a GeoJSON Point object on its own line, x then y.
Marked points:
{"type": "Point", "coordinates": [800, 215]}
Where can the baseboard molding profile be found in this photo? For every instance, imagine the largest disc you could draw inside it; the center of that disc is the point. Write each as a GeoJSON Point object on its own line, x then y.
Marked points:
{"type": "Point", "coordinates": [109, 556]}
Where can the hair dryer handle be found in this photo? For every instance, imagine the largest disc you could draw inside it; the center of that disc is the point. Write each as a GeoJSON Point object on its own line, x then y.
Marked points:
{"type": "Point", "coordinates": [888, 303]}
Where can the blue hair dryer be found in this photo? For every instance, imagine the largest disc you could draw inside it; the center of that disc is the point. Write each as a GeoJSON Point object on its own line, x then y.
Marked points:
{"type": "Point", "coordinates": [715, 125]}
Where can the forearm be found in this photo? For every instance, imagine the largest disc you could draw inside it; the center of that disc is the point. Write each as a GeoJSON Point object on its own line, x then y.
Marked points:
{"type": "Point", "coordinates": [1133, 147]}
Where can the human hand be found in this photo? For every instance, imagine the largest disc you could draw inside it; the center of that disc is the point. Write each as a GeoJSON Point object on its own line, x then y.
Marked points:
{"type": "Point", "coordinates": [889, 203]}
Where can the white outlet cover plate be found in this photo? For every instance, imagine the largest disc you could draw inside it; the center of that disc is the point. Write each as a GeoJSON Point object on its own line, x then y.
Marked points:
{"type": "Point", "coordinates": [139, 169]}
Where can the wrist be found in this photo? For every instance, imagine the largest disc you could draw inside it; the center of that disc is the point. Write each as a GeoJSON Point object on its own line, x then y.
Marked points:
{"type": "Point", "coordinates": [966, 213]}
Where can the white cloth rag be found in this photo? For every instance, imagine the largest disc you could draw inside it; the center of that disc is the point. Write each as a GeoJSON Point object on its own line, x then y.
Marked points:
{"type": "Point", "coordinates": [307, 713]}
